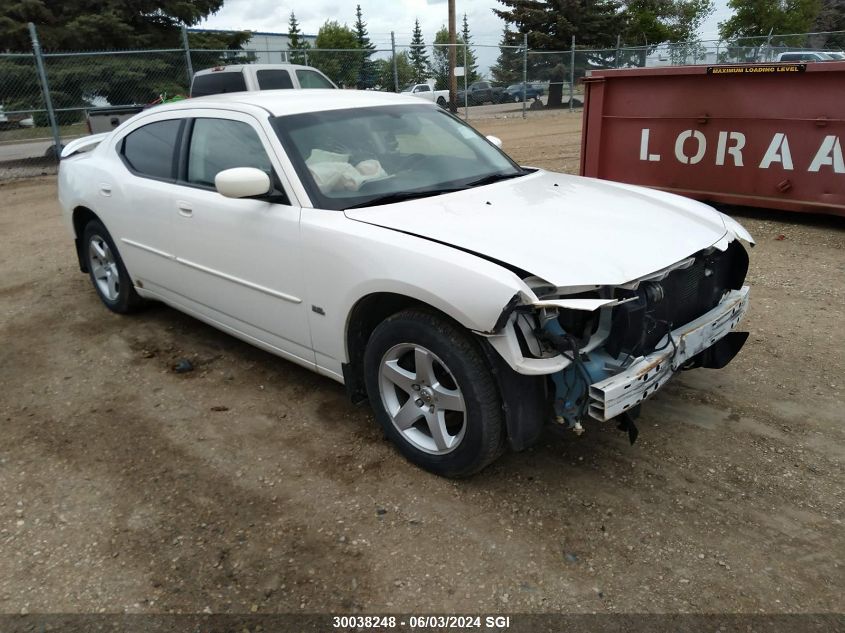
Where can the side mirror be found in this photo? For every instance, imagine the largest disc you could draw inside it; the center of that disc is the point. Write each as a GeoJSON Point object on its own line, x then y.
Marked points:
{"type": "Point", "coordinates": [242, 182]}
{"type": "Point", "coordinates": [496, 141]}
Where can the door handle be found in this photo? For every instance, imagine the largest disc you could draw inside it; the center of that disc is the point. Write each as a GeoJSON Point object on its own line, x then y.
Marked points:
{"type": "Point", "coordinates": [105, 188]}
{"type": "Point", "coordinates": [185, 209]}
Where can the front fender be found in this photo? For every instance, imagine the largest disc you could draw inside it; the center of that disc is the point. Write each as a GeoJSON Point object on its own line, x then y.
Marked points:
{"type": "Point", "coordinates": [346, 260]}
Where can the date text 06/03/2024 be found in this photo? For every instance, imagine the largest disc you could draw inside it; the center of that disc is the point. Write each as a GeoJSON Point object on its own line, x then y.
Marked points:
{"type": "Point", "coordinates": [422, 622]}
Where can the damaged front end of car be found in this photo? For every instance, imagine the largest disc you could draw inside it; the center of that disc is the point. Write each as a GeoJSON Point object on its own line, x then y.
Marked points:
{"type": "Point", "coordinates": [603, 350]}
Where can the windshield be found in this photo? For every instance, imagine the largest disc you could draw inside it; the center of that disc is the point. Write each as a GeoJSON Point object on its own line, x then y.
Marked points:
{"type": "Point", "coordinates": [377, 155]}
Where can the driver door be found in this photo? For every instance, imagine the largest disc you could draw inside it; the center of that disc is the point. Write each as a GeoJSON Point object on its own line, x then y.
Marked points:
{"type": "Point", "coordinates": [239, 259]}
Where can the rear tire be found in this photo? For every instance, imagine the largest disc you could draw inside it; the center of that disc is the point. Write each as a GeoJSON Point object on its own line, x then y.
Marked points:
{"type": "Point", "coordinates": [106, 270]}
{"type": "Point", "coordinates": [433, 393]}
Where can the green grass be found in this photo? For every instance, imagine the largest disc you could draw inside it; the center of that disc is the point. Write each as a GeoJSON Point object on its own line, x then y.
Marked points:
{"type": "Point", "coordinates": [31, 133]}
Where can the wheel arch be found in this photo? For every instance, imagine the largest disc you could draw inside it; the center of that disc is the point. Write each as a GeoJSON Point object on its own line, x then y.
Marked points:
{"type": "Point", "coordinates": [80, 218]}
{"type": "Point", "coordinates": [364, 317]}
{"type": "Point", "coordinates": [523, 397]}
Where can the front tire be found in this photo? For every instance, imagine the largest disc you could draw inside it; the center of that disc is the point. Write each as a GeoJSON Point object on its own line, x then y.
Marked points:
{"type": "Point", "coordinates": [106, 270]}
{"type": "Point", "coordinates": [433, 394]}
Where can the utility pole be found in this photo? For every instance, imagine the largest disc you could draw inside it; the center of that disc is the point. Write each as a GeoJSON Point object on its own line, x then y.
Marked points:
{"type": "Point", "coordinates": [453, 41]}
{"type": "Point", "coordinates": [395, 67]}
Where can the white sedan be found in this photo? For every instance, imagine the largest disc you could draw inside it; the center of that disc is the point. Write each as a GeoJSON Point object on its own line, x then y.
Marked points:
{"type": "Point", "coordinates": [382, 242]}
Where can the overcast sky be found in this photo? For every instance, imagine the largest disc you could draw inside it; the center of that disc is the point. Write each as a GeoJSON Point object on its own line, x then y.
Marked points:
{"type": "Point", "coordinates": [384, 16]}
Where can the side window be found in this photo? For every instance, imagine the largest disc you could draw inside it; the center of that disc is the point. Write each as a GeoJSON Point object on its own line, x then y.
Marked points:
{"type": "Point", "coordinates": [149, 150]}
{"type": "Point", "coordinates": [310, 79]}
{"type": "Point", "coordinates": [218, 144]}
{"type": "Point", "coordinates": [216, 83]}
{"type": "Point", "coordinates": [424, 88]}
{"type": "Point", "coordinates": [274, 80]}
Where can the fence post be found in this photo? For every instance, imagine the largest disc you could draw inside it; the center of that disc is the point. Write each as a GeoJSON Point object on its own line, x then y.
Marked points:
{"type": "Point", "coordinates": [524, 71]}
{"type": "Point", "coordinates": [466, 91]}
{"type": "Point", "coordinates": [572, 74]}
{"type": "Point", "coordinates": [45, 89]}
{"type": "Point", "coordinates": [187, 48]}
{"type": "Point", "coordinates": [393, 58]}
{"type": "Point", "coordinates": [618, 46]}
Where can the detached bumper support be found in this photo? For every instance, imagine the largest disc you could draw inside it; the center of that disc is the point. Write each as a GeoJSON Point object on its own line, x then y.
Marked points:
{"type": "Point", "coordinates": [625, 390]}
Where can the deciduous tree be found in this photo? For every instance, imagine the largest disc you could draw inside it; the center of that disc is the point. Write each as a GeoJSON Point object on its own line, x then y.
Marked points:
{"type": "Point", "coordinates": [81, 25]}
{"type": "Point", "coordinates": [440, 60]}
{"type": "Point", "coordinates": [341, 61]}
{"type": "Point", "coordinates": [404, 71]}
{"type": "Point", "coordinates": [755, 18]}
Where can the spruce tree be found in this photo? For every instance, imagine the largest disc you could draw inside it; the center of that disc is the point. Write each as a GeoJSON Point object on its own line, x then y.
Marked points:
{"type": "Point", "coordinates": [367, 73]}
{"type": "Point", "coordinates": [297, 46]}
{"type": "Point", "coordinates": [472, 61]}
{"type": "Point", "coordinates": [508, 66]}
{"type": "Point", "coordinates": [418, 55]}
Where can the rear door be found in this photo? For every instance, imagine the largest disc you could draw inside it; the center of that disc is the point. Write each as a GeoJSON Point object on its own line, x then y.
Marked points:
{"type": "Point", "coordinates": [136, 200]}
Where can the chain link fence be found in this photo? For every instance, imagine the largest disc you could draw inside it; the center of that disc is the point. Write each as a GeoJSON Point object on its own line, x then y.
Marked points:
{"type": "Point", "coordinates": [48, 98]}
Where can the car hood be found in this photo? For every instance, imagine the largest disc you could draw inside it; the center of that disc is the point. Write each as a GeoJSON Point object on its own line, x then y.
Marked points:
{"type": "Point", "coordinates": [568, 230]}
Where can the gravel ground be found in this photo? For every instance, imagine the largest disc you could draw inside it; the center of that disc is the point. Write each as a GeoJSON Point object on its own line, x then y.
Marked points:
{"type": "Point", "coordinates": [251, 485]}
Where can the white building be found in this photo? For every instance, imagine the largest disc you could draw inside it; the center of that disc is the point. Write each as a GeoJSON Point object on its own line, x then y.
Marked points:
{"type": "Point", "coordinates": [269, 48]}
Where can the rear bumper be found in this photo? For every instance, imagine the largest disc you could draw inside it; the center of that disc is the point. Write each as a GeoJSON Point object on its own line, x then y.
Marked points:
{"type": "Point", "coordinates": [619, 393]}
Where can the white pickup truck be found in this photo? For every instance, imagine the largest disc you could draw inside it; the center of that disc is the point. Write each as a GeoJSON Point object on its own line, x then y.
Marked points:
{"type": "Point", "coordinates": [252, 77]}
{"type": "Point", "coordinates": [426, 91]}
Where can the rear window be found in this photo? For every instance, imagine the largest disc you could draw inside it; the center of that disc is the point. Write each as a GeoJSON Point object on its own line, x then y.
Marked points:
{"type": "Point", "coordinates": [216, 83]}
{"type": "Point", "coordinates": [149, 150]}
{"type": "Point", "coordinates": [310, 79]}
{"type": "Point", "coordinates": [274, 80]}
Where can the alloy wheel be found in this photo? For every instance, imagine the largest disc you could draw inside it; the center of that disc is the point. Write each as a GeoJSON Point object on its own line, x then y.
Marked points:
{"type": "Point", "coordinates": [103, 268]}
{"type": "Point", "coordinates": [422, 398]}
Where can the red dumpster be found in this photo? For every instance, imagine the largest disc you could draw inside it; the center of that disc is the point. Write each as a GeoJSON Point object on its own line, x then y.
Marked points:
{"type": "Point", "coordinates": [764, 135]}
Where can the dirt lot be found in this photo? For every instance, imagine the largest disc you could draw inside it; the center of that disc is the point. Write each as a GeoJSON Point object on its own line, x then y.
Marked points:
{"type": "Point", "coordinates": [252, 485]}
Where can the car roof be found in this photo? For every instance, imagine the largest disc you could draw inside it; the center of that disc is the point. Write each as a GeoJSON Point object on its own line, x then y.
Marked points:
{"type": "Point", "coordinates": [284, 102]}
{"type": "Point", "coordinates": [222, 68]}
{"type": "Point", "coordinates": [802, 53]}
